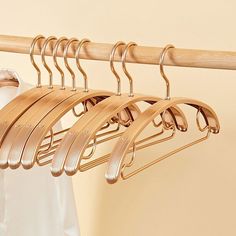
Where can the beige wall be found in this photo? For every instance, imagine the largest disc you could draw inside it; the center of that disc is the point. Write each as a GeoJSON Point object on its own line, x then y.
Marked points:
{"type": "Point", "coordinates": [192, 195]}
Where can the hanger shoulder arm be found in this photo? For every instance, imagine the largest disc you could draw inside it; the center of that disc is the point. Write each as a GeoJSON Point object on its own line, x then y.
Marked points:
{"type": "Point", "coordinates": [27, 122]}
{"type": "Point", "coordinates": [61, 152]}
{"type": "Point", "coordinates": [46, 124]}
{"type": "Point", "coordinates": [128, 138]}
{"type": "Point", "coordinates": [14, 110]}
{"type": "Point", "coordinates": [88, 133]}
{"type": "Point", "coordinates": [126, 141]}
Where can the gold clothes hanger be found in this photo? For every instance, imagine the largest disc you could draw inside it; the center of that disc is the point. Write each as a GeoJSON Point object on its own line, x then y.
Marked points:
{"type": "Point", "coordinates": [23, 124]}
{"type": "Point", "coordinates": [127, 115]}
{"type": "Point", "coordinates": [12, 111]}
{"type": "Point", "coordinates": [77, 140]}
{"type": "Point", "coordinates": [84, 97]}
{"type": "Point", "coordinates": [127, 142]}
{"type": "Point", "coordinates": [29, 150]}
{"type": "Point", "coordinates": [29, 119]}
{"type": "Point", "coordinates": [39, 110]}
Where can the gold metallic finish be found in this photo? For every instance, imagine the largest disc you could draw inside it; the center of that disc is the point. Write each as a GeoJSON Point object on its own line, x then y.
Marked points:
{"type": "Point", "coordinates": [76, 141]}
{"type": "Point", "coordinates": [77, 54]}
{"type": "Point", "coordinates": [161, 62]}
{"type": "Point", "coordinates": [47, 41]}
{"type": "Point", "coordinates": [32, 145]}
{"type": "Point", "coordinates": [199, 111]}
{"type": "Point", "coordinates": [12, 111]}
{"type": "Point", "coordinates": [54, 54]}
{"type": "Point", "coordinates": [68, 44]}
{"type": "Point", "coordinates": [128, 138]}
{"type": "Point", "coordinates": [105, 158]}
{"type": "Point", "coordinates": [60, 155]}
{"type": "Point", "coordinates": [83, 138]}
{"type": "Point", "coordinates": [127, 176]}
{"type": "Point", "coordinates": [26, 132]}
{"type": "Point", "coordinates": [32, 58]}
{"type": "Point", "coordinates": [59, 161]}
{"type": "Point", "coordinates": [118, 44]}
{"type": "Point", "coordinates": [117, 164]}
{"type": "Point", "coordinates": [18, 136]}
{"type": "Point", "coordinates": [13, 147]}
{"type": "Point", "coordinates": [35, 138]}
{"type": "Point", "coordinates": [123, 59]}
{"type": "Point", "coordinates": [49, 145]}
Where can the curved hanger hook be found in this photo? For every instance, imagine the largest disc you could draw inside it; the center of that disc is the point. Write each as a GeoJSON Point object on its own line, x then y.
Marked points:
{"type": "Point", "coordinates": [112, 55]}
{"type": "Point", "coordinates": [162, 57]}
{"type": "Point", "coordinates": [32, 46]}
{"type": "Point", "coordinates": [70, 41]}
{"type": "Point", "coordinates": [54, 54]}
{"type": "Point", "coordinates": [44, 61]}
{"type": "Point", "coordinates": [130, 44]}
{"type": "Point", "coordinates": [81, 43]}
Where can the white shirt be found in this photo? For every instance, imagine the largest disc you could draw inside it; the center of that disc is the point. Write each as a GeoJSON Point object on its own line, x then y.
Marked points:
{"type": "Point", "coordinates": [33, 202]}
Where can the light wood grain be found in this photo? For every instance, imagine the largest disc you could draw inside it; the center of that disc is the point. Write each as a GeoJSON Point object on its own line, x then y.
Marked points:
{"type": "Point", "coordinates": [139, 54]}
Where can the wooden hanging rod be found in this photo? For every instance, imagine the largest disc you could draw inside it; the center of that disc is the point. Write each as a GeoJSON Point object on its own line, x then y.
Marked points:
{"type": "Point", "coordinates": [139, 54]}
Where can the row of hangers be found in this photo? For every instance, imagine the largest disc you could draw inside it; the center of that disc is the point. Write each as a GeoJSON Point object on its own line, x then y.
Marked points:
{"type": "Point", "coordinates": [27, 134]}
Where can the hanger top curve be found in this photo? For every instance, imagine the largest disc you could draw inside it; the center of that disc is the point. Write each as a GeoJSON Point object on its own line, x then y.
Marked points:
{"type": "Point", "coordinates": [54, 54]}
{"type": "Point", "coordinates": [77, 54]}
{"type": "Point", "coordinates": [43, 52]}
{"type": "Point", "coordinates": [68, 44]}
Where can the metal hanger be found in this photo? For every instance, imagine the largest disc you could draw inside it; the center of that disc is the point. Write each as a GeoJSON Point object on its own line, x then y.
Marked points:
{"type": "Point", "coordinates": [58, 163]}
{"type": "Point", "coordinates": [72, 148]}
{"type": "Point", "coordinates": [127, 142]}
{"type": "Point", "coordinates": [37, 112]}
{"type": "Point", "coordinates": [128, 113]}
{"type": "Point", "coordinates": [18, 133]}
{"type": "Point", "coordinates": [13, 111]}
{"type": "Point", "coordinates": [30, 150]}
{"type": "Point", "coordinates": [82, 96]}
{"type": "Point", "coordinates": [33, 116]}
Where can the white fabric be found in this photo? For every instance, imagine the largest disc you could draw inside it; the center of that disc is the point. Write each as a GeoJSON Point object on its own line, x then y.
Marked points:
{"type": "Point", "coordinates": [33, 202]}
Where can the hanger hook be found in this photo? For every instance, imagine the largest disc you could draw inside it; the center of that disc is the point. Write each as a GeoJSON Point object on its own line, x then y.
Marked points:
{"type": "Point", "coordinates": [32, 46]}
{"type": "Point", "coordinates": [55, 50]}
{"type": "Point", "coordinates": [130, 44]}
{"type": "Point", "coordinates": [65, 53]}
{"type": "Point", "coordinates": [77, 53]}
{"type": "Point", "coordinates": [161, 62]}
{"type": "Point", "coordinates": [43, 52]}
{"type": "Point", "coordinates": [112, 55]}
